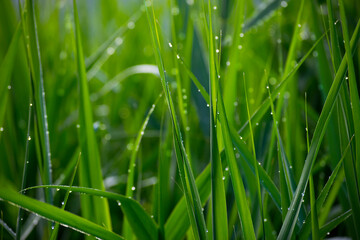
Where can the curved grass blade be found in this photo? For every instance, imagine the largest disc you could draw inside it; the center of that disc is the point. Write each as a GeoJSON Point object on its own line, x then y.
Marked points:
{"type": "Point", "coordinates": [289, 223]}
{"type": "Point", "coordinates": [50, 212]}
{"type": "Point", "coordinates": [90, 174]}
{"type": "Point", "coordinates": [114, 82]}
{"type": "Point", "coordinates": [142, 224]}
{"type": "Point", "coordinates": [130, 188]}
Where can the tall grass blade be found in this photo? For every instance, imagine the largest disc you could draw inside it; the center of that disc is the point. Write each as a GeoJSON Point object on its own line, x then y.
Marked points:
{"type": "Point", "coordinates": [29, 27]}
{"type": "Point", "coordinates": [130, 187]}
{"type": "Point", "coordinates": [6, 69]}
{"type": "Point", "coordinates": [177, 225]}
{"type": "Point", "coordinates": [352, 179]}
{"type": "Point", "coordinates": [187, 179]}
{"type": "Point", "coordinates": [218, 197]}
{"type": "Point", "coordinates": [96, 209]}
{"type": "Point", "coordinates": [289, 223]}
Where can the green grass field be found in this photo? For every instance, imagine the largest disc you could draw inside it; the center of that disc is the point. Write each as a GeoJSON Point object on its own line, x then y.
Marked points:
{"type": "Point", "coordinates": [179, 119]}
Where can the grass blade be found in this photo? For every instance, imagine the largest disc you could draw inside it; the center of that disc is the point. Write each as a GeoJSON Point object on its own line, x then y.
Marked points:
{"type": "Point", "coordinates": [50, 212]}
{"type": "Point", "coordinates": [29, 27]}
{"type": "Point", "coordinates": [130, 187]}
{"type": "Point", "coordinates": [90, 167]}
{"type": "Point", "coordinates": [142, 224]}
{"type": "Point", "coordinates": [177, 225]}
{"type": "Point", "coordinates": [289, 223]}
{"type": "Point", "coordinates": [187, 179]}
{"type": "Point", "coordinates": [6, 68]}
{"type": "Point", "coordinates": [352, 179]}
{"type": "Point", "coordinates": [218, 197]}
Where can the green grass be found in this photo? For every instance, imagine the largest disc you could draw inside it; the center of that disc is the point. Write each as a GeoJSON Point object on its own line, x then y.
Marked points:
{"type": "Point", "coordinates": [179, 119]}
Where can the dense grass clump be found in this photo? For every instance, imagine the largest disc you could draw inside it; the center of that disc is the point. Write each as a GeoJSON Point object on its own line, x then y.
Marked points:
{"type": "Point", "coordinates": [179, 119]}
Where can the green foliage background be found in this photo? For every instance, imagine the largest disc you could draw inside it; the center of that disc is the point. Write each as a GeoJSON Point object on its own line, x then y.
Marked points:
{"type": "Point", "coordinates": [155, 119]}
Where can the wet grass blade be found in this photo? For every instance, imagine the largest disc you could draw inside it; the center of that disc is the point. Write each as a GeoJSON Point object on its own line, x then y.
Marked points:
{"type": "Point", "coordinates": [353, 179]}
{"type": "Point", "coordinates": [42, 139]}
{"type": "Point", "coordinates": [50, 212]}
{"type": "Point", "coordinates": [187, 178]}
{"type": "Point", "coordinates": [177, 225]}
{"type": "Point", "coordinates": [90, 174]}
{"type": "Point", "coordinates": [218, 198]}
{"type": "Point", "coordinates": [142, 224]}
{"type": "Point", "coordinates": [236, 180]}
{"type": "Point", "coordinates": [307, 226]}
{"type": "Point", "coordinates": [260, 112]}
{"type": "Point", "coordinates": [325, 230]}
{"type": "Point", "coordinates": [289, 223]}
{"type": "Point", "coordinates": [130, 187]}
{"type": "Point", "coordinates": [55, 231]}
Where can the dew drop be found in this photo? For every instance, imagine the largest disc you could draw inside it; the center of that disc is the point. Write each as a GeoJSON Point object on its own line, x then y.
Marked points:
{"type": "Point", "coordinates": [62, 203]}
{"type": "Point", "coordinates": [133, 188]}
{"type": "Point", "coordinates": [240, 47]}
{"type": "Point", "coordinates": [208, 105]}
{"type": "Point", "coordinates": [118, 41]}
{"type": "Point", "coordinates": [241, 35]}
{"type": "Point", "coordinates": [29, 138]}
{"type": "Point", "coordinates": [215, 7]}
{"type": "Point", "coordinates": [131, 25]}
{"type": "Point", "coordinates": [217, 50]}
{"type": "Point", "coordinates": [177, 56]}
{"type": "Point", "coordinates": [110, 50]}
{"type": "Point", "coordinates": [223, 178]}
{"type": "Point", "coordinates": [52, 227]}
{"type": "Point", "coordinates": [175, 11]}
{"type": "Point", "coordinates": [284, 4]}
{"type": "Point", "coordinates": [170, 45]}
